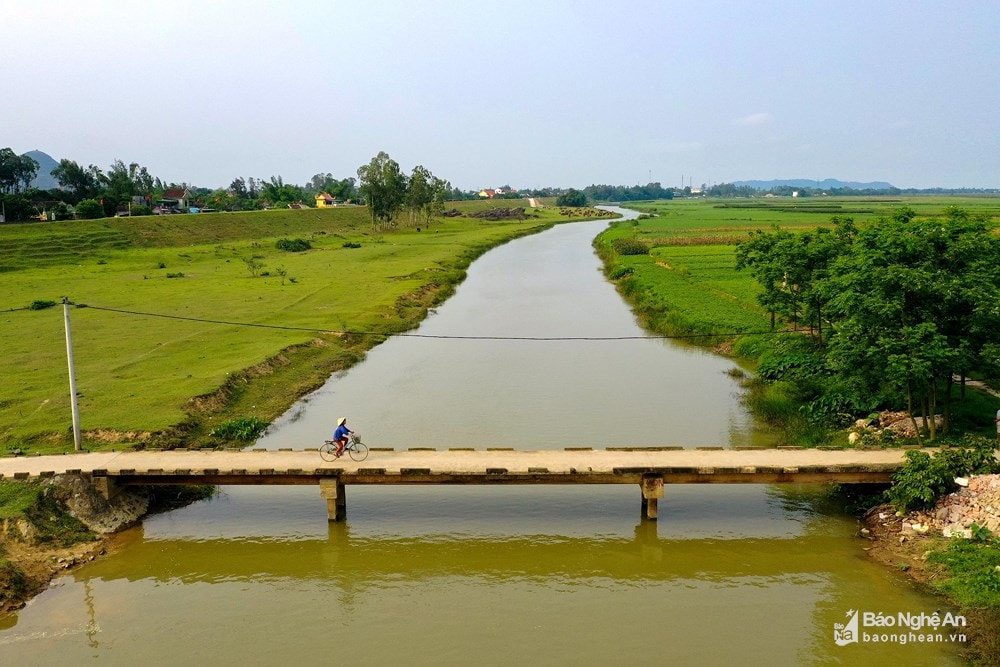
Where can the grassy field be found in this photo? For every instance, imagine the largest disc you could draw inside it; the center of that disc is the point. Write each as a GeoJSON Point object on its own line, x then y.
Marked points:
{"type": "Point", "coordinates": [687, 284]}
{"type": "Point", "coordinates": [138, 374]}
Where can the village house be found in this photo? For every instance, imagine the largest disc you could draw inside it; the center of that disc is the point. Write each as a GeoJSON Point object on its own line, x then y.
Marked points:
{"type": "Point", "coordinates": [178, 198]}
{"type": "Point", "coordinates": [324, 200]}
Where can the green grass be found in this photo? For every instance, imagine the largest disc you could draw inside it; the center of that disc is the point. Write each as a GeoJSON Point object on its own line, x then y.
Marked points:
{"type": "Point", "coordinates": [140, 373]}
{"type": "Point", "coordinates": [16, 498]}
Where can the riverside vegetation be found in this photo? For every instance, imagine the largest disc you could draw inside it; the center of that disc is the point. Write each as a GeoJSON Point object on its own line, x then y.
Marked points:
{"type": "Point", "coordinates": [798, 316]}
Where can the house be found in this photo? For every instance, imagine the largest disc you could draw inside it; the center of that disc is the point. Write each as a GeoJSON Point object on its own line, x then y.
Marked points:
{"type": "Point", "coordinates": [176, 198]}
{"type": "Point", "coordinates": [323, 200]}
{"type": "Point", "coordinates": [487, 194]}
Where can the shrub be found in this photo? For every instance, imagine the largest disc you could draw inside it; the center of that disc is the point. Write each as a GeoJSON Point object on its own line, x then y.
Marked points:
{"type": "Point", "coordinates": [293, 245]}
{"type": "Point", "coordinates": [351, 244]}
{"type": "Point", "coordinates": [90, 209]}
{"type": "Point", "coordinates": [175, 275]}
{"type": "Point", "coordinates": [621, 272]}
{"type": "Point", "coordinates": [242, 428]}
{"type": "Point", "coordinates": [41, 304]}
{"type": "Point", "coordinates": [630, 247]}
{"type": "Point", "coordinates": [924, 478]}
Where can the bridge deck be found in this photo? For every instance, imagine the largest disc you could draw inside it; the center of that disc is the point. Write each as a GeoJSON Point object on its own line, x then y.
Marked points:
{"type": "Point", "coordinates": [572, 465]}
{"type": "Point", "coordinates": [650, 468]}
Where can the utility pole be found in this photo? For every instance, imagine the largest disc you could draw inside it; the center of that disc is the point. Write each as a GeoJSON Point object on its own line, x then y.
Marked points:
{"type": "Point", "coordinates": [72, 377]}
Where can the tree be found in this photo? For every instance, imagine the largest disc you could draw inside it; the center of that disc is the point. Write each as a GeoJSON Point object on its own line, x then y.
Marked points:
{"type": "Point", "coordinates": [791, 269]}
{"type": "Point", "coordinates": [383, 187]}
{"type": "Point", "coordinates": [16, 171]}
{"type": "Point", "coordinates": [279, 193]}
{"type": "Point", "coordinates": [239, 188]}
{"type": "Point", "coordinates": [419, 192]}
{"type": "Point", "coordinates": [123, 183]}
{"type": "Point", "coordinates": [572, 198]}
{"type": "Point", "coordinates": [915, 302]}
{"type": "Point", "coordinates": [441, 190]}
{"type": "Point", "coordinates": [83, 183]}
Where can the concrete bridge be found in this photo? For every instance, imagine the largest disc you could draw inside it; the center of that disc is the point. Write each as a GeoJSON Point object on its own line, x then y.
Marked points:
{"type": "Point", "coordinates": [650, 468]}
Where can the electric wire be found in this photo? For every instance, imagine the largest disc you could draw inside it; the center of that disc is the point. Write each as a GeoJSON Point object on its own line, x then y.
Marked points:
{"type": "Point", "coordinates": [419, 335]}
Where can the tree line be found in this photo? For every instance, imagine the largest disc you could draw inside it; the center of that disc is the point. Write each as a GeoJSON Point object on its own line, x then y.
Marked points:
{"type": "Point", "coordinates": [89, 191]}
{"type": "Point", "coordinates": [893, 313]}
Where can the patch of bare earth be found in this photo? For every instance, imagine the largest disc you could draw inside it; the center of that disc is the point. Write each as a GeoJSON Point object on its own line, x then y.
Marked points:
{"type": "Point", "coordinates": [40, 565]}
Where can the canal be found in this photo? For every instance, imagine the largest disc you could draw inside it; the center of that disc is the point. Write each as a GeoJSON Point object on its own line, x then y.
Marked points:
{"type": "Point", "coordinates": [493, 576]}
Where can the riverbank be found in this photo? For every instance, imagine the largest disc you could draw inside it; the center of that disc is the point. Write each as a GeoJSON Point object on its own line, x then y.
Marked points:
{"type": "Point", "coordinates": [55, 525]}
{"type": "Point", "coordinates": [933, 547]}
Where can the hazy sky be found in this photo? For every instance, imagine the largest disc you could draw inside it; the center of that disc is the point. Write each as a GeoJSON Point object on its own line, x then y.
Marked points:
{"type": "Point", "coordinates": [529, 94]}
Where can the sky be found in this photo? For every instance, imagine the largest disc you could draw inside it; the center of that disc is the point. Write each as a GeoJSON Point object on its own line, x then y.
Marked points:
{"type": "Point", "coordinates": [527, 94]}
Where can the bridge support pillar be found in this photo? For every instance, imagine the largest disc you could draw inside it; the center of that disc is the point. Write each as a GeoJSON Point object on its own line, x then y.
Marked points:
{"type": "Point", "coordinates": [336, 498]}
{"type": "Point", "coordinates": [652, 491]}
{"type": "Point", "coordinates": [106, 486]}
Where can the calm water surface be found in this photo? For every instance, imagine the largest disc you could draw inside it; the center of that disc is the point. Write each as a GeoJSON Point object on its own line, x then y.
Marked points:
{"type": "Point", "coordinates": [493, 576]}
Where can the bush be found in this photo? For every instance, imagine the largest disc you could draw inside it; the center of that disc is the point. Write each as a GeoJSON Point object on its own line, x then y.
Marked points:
{"type": "Point", "coordinates": [90, 209]}
{"type": "Point", "coordinates": [630, 247]}
{"type": "Point", "coordinates": [242, 428]}
{"type": "Point", "coordinates": [41, 304]}
{"type": "Point", "coordinates": [293, 245]}
{"type": "Point", "coordinates": [350, 244]}
{"type": "Point", "coordinates": [620, 272]}
{"type": "Point", "coordinates": [924, 478]}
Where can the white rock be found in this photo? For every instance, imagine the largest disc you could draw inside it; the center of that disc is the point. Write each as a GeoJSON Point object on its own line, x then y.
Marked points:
{"type": "Point", "coordinates": [962, 481]}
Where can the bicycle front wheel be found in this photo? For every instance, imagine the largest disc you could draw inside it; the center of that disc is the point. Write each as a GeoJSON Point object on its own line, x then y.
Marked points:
{"type": "Point", "coordinates": [359, 451]}
{"type": "Point", "coordinates": [328, 451]}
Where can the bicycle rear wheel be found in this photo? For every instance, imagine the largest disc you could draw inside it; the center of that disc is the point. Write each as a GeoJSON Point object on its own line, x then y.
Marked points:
{"type": "Point", "coordinates": [328, 451]}
{"type": "Point", "coordinates": [359, 451]}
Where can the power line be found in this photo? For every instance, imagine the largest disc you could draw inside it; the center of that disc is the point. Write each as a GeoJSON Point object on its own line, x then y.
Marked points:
{"type": "Point", "coordinates": [418, 335]}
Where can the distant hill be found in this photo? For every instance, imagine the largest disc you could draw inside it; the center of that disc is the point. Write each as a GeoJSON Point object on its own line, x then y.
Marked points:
{"type": "Point", "coordinates": [46, 163]}
{"type": "Point", "coordinates": [827, 184]}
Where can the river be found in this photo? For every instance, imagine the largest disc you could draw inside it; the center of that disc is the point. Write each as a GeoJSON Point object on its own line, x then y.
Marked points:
{"type": "Point", "coordinates": [456, 575]}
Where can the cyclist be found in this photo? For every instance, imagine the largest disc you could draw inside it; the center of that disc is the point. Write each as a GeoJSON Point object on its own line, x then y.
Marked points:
{"type": "Point", "coordinates": [340, 435]}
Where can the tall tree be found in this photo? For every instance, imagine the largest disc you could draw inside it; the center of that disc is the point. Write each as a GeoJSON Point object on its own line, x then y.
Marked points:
{"type": "Point", "coordinates": [419, 192]}
{"type": "Point", "coordinates": [84, 183]}
{"type": "Point", "coordinates": [122, 182]}
{"type": "Point", "coordinates": [383, 187]}
{"type": "Point", "coordinates": [16, 171]}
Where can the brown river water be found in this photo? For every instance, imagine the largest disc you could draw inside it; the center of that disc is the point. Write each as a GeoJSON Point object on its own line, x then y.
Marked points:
{"type": "Point", "coordinates": [553, 575]}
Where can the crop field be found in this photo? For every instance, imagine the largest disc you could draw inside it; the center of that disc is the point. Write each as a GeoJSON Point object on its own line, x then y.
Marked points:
{"type": "Point", "coordinates": [168, 297]}
{"type": "Point", "coordinates": [688, 284]}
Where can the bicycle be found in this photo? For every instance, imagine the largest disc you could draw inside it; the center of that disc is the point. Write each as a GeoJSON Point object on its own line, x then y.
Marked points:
{"type": "Point", "coordinates": [357, 450]}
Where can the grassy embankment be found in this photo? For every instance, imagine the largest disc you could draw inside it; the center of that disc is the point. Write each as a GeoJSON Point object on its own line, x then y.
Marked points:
{"type": "Point", "coordinates": [175, 379]}
{"type": "Point", "coordinates": [687, 283]}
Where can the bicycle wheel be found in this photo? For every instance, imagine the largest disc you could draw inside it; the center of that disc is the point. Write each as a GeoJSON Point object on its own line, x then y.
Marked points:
{"type": "Point", "coordinates": [328, 451]}
{"type": "Point", "coordinates": [359, 451]}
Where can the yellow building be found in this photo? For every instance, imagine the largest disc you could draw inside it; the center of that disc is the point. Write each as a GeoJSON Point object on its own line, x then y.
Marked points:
{"type": "Point", "coordinates": [323, 200]}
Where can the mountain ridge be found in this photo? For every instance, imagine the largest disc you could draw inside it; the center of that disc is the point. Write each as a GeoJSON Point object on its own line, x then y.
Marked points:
{"type": "Point", "coordinates": [825, 184]}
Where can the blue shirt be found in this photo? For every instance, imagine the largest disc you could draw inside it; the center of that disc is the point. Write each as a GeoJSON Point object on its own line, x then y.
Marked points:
{"type": "Point", "coordinates": [341, 432]}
